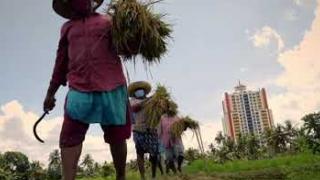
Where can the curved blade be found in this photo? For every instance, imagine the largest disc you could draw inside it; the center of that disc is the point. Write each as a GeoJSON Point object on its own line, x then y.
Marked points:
{"type": "Point", "coordinates": [35, 127]}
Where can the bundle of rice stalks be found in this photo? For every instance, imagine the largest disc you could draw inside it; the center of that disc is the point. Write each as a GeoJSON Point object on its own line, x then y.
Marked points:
{"type": "Point", "coordinates": [190, 123]}
{"type": "Point", "coordinates": [177, 128]}
{"type": "Point", "coordinates": [160, 103]}
{"type": "Point", "coordinates": [137, 30]}
{"type": "Point", "coordinates": [182, 125]}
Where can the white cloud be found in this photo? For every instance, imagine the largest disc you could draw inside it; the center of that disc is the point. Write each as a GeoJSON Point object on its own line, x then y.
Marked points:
{"type": "Point", "coordinates": [16, 135]}
{"type": "Point", "coordinates": [208, 132]}
{"type": "Point", "coordinates": [265, 36]}
{"type": "Point", "coordinates": [300, 77]}
{"type": "Point", "coordinates": [298, 2]}
{"type": "Point", "coordinates": [16, 132]}
{"type": "Point", "coordinates": [303, 2]}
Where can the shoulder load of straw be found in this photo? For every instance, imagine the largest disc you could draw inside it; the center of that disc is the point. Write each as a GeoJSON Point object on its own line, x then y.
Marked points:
{"type": "Point", "coordinates": [137, 30]}
{"type": "Point", "coordinates": [182, 125]}
{"type": "Point", "coordinates": [158, 105]}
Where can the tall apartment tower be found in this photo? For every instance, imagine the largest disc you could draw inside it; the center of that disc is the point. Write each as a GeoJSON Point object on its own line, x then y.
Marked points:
{"type": "Point", "coordinates": [246, 112]}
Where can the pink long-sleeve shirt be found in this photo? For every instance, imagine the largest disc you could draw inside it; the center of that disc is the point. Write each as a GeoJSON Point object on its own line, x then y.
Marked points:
{"type": "Point", "coordinates": [164, 131]}
{"type": "Point", "coordinates": [86, 58]}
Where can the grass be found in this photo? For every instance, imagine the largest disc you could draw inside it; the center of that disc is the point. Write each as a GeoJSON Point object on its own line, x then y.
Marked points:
{"type": "Point", "coordinates": [291, 167]}
{"type": "Point", "coordinates": [130, 176]}
{"type": "Point", "coordinates": [236, 166]}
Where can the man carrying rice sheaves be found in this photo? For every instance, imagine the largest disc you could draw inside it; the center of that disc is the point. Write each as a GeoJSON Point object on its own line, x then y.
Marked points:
{"type": "Point", "coordinates": [97, 93]}
{"type": "Point", "coordinates": [145, 137]}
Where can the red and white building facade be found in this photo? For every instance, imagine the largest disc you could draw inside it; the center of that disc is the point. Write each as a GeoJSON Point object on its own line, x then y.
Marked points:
{"type": "Point", "coordinates": [246, 112]}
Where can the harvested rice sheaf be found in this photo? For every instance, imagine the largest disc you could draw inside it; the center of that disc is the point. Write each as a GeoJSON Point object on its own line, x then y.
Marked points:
{"type": "Point", "coordinates": [159, 104]}
{"type": "Point", "coordinates": [190, 123]}
{"type": "Point", "coordinates": [182, 125]}
{"type": "Point", "coordinates": [137, 30]}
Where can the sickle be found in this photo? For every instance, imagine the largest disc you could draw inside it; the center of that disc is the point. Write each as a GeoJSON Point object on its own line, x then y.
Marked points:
{"type": "Point", "coordinates": [36, 124]}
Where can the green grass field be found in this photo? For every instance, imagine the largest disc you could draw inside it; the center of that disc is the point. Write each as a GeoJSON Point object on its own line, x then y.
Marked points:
{"type": "Point", "coordinates": [295, 167]}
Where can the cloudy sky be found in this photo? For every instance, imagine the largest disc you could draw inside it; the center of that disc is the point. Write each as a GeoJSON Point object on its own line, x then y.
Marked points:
{"type": "Point", "coordinates": [263, 43]}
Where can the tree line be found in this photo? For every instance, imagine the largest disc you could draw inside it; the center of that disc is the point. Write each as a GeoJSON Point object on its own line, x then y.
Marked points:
{"type": "Point", "coordinates": [284, 138]}
{"type": "Point", "coordinates": [16, 166]}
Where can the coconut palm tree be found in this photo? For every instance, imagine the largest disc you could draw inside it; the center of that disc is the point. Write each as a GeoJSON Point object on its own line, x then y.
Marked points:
{"type": "Point", "coordinates": [241, 147]}
{"type": "Point", "coordinates": [291, 132]}
{"type": "Point", "coordinates": [108, 169]}
{"type": "Point", "coordinates": [54, 168]}
{"type": "Point", "coordinates": [269, 141]}
{"type": "Point", "coordinates": [36, 171]}
{"type": "Point", "coordinates": [253, 145]}
{"type": "Point", "coordinates": [220, 138]}
{"type": "Point", "coordinates": [312, 127]}
{"type": "Point", "coordinates": [88, 165]}
{"type": "Point", "coordinates": [280, 138]}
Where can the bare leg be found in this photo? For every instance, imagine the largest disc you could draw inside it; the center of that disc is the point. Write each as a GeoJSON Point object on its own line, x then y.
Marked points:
{"type": "Point", "coordinates": [160, 164]}
{"type": "Point", "coordinates": [140, 161]}
{"type": "Point", "coordinates": [167, 167]}
{"type": "Point", "coordinates": [153, 165]}
{"type": "Point", "coordinates": [70, 157]}
{"type": "Point", "coordinates": [170, 165]}
{"type": "Point", "coordinates": [119, 155]}
{"type": "Point", "coordinates": [180, 161]}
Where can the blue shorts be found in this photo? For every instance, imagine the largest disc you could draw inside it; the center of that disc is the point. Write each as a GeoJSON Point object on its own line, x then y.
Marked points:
{"type": "Point", "coordinates": [105, 108]}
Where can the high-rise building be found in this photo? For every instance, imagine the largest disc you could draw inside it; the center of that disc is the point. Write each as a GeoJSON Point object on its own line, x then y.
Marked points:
{"type": "Point", "coordinates": [246, 112]}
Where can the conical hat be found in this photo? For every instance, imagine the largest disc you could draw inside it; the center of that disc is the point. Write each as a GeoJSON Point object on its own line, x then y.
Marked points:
{"type": "Point", "coordinates": [139, 85]}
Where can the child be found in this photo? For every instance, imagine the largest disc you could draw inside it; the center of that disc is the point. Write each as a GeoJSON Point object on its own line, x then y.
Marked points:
{"type": "Point", "coordinates": [97, 93]}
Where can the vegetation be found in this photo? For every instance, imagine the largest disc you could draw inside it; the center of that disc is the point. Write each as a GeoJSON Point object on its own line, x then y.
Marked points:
{"type": "Point", "coordinates": [284, 152]}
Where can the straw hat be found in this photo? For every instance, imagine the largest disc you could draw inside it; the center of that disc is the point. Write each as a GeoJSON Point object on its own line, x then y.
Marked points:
{"type": "Point", "coordinates": [139, 85]}
{"type": "Point", "coordinates": [63, 7]}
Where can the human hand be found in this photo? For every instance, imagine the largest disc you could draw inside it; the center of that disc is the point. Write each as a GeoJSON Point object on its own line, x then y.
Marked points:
{"type": "Point", "coordinates": [49, 103]}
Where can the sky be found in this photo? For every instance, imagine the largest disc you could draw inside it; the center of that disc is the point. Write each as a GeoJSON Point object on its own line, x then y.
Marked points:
{"type": "Point", "coordinates": [263, 43]}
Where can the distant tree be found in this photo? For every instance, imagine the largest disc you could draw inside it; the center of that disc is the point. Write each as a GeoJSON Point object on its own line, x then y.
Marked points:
{"type": "Point", "coordinates": [132, 165]}
{"type": "Point", "coordinates": [220, 138]}
{"type": "Point", "coordinates": [300, 141]}
{"type": "Point", "coordinates": [291, 133]}
{"type": "Point", "coordinates": [253, 147]}
{"type": "Point", "coordinates": [88, 166]}
{"type": "Point", "coordinates": [226, 148]}
{"type": "Point", "coordinates": [54, 171]}
{"type": "Point", "coordinates": [312, 128]}
{"type": "Point", "coordinates": [269, 141]}
{"type": "Point", "coordinates": [107, 170]}
{"type": "Point", "coordinates": [212, 148]}
{"type": "Point", "coordinates": [97, 168]}
{"type": "Point", "coordinates": [15, 163]}
{"type": "Point", "coordinates": [241, 151]}
{"type": "Point", "coordinates": [6, 175]}
{"type": "Point", "coordinates": [36, 171]}
{"type": "Point", "coordinates": [192, 154]}
{"type": "Point", "coordinates": [276, 139]}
